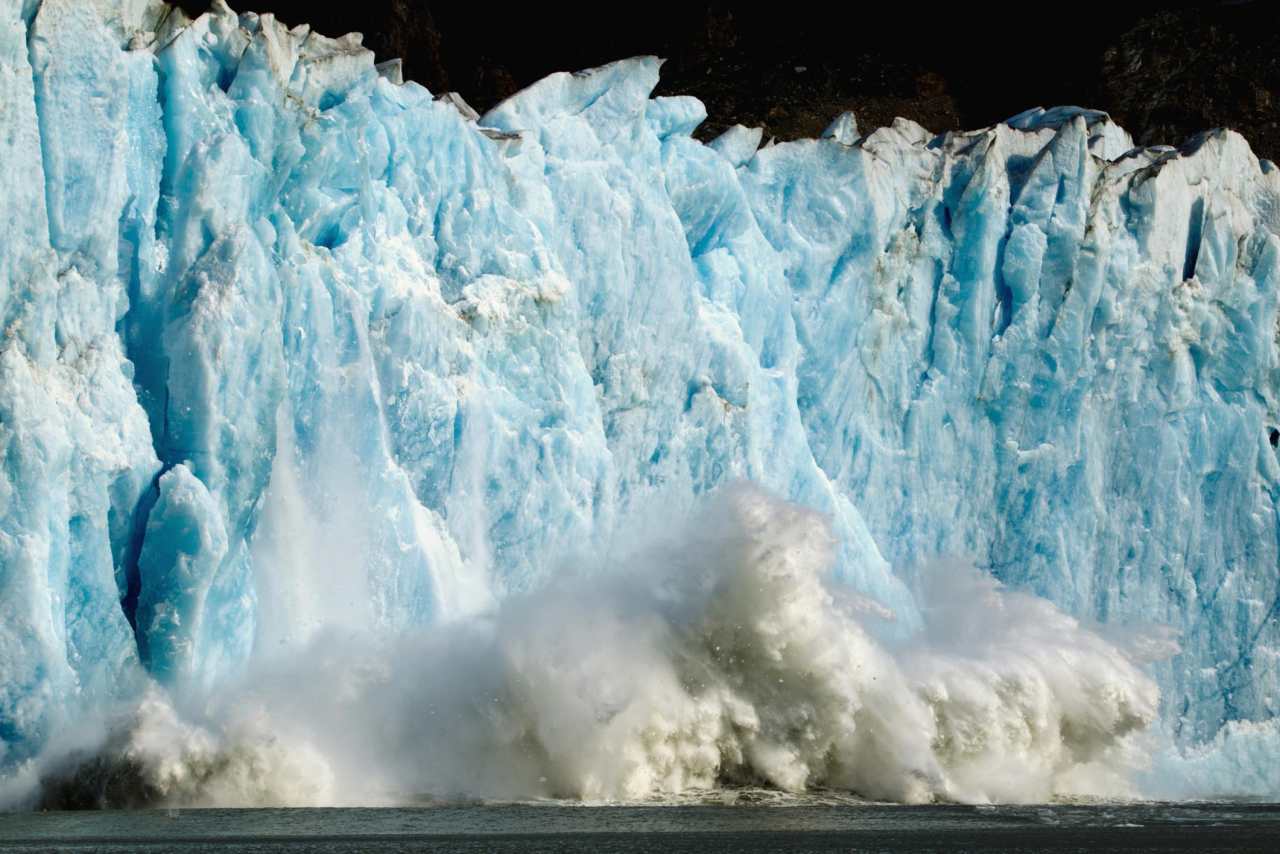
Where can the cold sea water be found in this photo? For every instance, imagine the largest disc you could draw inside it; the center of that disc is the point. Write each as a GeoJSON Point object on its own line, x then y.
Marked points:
{"type": "Point", "coordinates": [739, 827]}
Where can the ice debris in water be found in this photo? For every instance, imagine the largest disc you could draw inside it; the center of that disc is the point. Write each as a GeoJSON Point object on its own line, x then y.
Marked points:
{"type": "Point", "coordinates": [291, 347]}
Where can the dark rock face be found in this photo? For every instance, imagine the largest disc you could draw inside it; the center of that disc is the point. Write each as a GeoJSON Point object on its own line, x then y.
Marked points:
{"type": "Point", "coordinates": [1163, 70]}
{"type": "Point", "coordinates": [1174, 72]}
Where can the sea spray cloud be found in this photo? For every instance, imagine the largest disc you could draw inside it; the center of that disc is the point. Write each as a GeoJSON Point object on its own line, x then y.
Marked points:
{"type": "Point", "coordinates": [720, 654]}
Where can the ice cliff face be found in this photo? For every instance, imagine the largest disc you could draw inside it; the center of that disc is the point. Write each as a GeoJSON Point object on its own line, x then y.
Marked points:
{"type": "Point", "coordinates": [289, 345]}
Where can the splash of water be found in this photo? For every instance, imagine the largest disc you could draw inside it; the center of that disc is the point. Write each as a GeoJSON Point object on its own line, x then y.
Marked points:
{"type": "Point", "coordinates": [721, 655]}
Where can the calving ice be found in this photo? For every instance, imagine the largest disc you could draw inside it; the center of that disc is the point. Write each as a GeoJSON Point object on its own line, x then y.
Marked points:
{"type": "Point", "coordinates": [348, 443]}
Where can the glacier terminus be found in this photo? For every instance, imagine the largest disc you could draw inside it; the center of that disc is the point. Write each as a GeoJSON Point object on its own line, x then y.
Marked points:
{"type": "Point", "coordinates": [552, 452]}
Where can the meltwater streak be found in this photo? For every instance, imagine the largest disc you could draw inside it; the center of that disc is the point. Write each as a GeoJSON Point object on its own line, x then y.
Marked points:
{"type": "Point", "coordinates": [718, 656]}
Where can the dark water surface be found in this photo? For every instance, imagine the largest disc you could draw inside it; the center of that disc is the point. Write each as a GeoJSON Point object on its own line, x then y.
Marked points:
{"type": "Point", "coordinates": [738, 828]}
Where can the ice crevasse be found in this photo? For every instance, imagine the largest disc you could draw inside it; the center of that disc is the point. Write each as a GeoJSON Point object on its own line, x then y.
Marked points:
{"type": "Point", "coordinates": [291, 345]}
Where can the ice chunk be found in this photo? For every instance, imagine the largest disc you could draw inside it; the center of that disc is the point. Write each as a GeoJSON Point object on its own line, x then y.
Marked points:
{"type": "Point", "coordinates": [843, 130]}
{"type": "Point", "coordinates": [456, 101]}
{"type": "Point", "coordinates": [185, 543]}
{"type": "Point", "coordinates": [738, 143]}
{"type": "Point", "coordinates": [1106, 139]}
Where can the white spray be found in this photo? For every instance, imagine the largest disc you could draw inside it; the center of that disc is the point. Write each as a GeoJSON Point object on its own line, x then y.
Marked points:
{"type": "Point", "coordinates": [719, 656]}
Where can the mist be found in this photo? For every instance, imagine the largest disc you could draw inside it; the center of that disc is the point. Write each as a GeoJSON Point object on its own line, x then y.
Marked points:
{"type": "Point", "coordinates": [717, 655]}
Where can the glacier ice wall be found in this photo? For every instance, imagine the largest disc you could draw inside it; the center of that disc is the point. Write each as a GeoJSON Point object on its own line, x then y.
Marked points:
{"type": "Point", "coordinates": [290, 345]}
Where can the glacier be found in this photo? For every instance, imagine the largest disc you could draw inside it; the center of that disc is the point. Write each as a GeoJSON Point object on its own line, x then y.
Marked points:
{"type": "Point", "coordinates": [294, 347]}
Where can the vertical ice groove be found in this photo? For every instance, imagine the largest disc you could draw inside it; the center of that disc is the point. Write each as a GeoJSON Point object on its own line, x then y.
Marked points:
{"type": "Point", "coordinates": [29, 40]}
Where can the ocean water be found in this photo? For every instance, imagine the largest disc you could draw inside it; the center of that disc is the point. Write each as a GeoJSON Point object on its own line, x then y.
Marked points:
{"type": "Point", "coordinates": [739, 827]}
